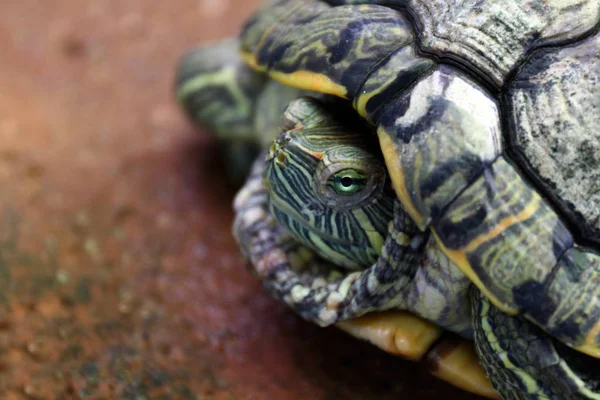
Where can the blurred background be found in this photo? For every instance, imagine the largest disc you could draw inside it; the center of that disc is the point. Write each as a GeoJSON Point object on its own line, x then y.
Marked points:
{"type": "Point", "coordinates": [118, 274]}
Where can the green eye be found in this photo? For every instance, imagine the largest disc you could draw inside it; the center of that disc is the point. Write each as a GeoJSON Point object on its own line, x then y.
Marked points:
{"type": "Point", "coordinates": [348, 182]}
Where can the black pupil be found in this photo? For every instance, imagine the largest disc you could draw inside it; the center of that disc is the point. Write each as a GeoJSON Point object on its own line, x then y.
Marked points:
{"type": "Point", "coordinates": [346, 181]}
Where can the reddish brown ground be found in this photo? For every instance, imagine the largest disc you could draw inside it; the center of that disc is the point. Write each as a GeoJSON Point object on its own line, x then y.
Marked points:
{"type": "Point", "coordinates": [118, 275]}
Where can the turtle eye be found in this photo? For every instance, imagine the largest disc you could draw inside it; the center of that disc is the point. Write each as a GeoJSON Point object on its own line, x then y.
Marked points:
{"type": "Point", "coordinates": [348, 182]}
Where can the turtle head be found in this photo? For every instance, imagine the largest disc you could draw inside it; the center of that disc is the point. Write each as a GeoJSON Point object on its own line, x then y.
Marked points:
{"type": "Point", "coordinates": [329, 186]}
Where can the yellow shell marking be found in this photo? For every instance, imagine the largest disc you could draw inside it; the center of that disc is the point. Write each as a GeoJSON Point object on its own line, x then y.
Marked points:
{"type": "Point", "coordinates": [250, 60]}
{"type": "Point", "coordinates": [310, 81]}
{"type": "Point", "coordinates": [504, 224]}
{"type": "Point", "coordinates": [459, 257]}
{"type": "Point", "coordinates": [306, 80]}
{"type": "Point", "coordinates": [390, 154]}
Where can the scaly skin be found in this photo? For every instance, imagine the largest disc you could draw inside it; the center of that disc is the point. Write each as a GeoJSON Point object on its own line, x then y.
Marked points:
{"type": "Point", "coordinates": [520, 358]}
{"type": "Point", "coordinates": [327, 186]}
{"type": "Point", "coordinates": [351, 176]}
{"type": "Point", "coordinates": [216, 90]}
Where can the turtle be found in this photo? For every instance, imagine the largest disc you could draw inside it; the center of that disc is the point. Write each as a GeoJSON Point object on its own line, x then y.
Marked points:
{"type": "Point", "coordinates": [473, 200]}
{"type": "Point", "coordinates": [243, 109]}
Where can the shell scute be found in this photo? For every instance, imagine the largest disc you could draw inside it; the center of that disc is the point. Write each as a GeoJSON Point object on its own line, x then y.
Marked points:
{"type": "Point", "coordinates": [553, 108]}
{"type": "Point", "coordinates": [507, 239]}
{"type": "Point", "coordinates": [494, 36]}
{"type": "Point", "coordinates": [443, 134]}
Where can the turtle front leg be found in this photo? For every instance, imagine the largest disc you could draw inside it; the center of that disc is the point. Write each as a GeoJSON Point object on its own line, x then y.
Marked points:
{"type": "Point", "coordinates": [315, 162]}
{"type": "Point", "coordinates": [293, 274]}
{"type": "Point", "coordinates": [318, 290]}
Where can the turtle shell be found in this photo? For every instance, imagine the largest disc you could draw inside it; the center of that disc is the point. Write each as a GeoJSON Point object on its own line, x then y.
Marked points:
{"type": "Point", "coordinates": [487, 116]}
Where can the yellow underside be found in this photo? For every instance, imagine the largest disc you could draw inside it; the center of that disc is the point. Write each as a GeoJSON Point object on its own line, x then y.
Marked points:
{"type": "Point", "coordinates": [305, 80]}
{"type": "Point", "coordinates": [399, 333]}
{"type": "Point", "coordinates": [406, 335]}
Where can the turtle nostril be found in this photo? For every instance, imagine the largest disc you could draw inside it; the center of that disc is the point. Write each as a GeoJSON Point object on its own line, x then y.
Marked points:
{"type": "Point", "coordinates": [275, 149]}
{"type": "Point", "coordinates": [283, 139]}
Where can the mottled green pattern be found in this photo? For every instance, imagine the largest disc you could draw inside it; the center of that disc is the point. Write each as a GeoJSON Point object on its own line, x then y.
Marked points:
{"type": "Point", "coordinates": [511, 240]}
{"type": "Point", "coordinates": [490, 37]}
{"type": "Point", "coordinates": [575, 290]}
{"type": "Point", "coordinates": [409, 272]}
{"type": "Point", "coordinates": [401, 70]}
{"type": "Point", "coordinates": [318, 291]}
{"type": "Point", "coordinates": [445, 130]}
{"type": "Point", "coordinates": [274, 19]}
{"type": "Point", "coordinates": [524, 363]}
{"type": "Point", "coordinates": [440, 134]}
{"type": "Point", "coordinates": [343, 43]}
